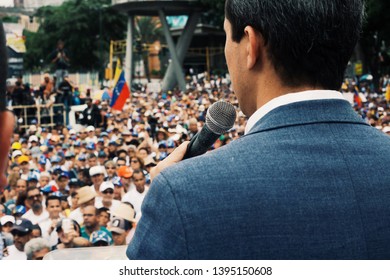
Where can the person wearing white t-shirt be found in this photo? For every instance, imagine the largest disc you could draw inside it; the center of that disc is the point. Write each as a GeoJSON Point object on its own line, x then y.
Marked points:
{"type": "Point", "coordinates": [107, 196]}
{"type": "Point", "coordinates": [21, 232]}
{"type": "Point", "coordinates": [136, 196]}
{"type": "Point", "coordinates": [48, 227]}
{"type": "Point", "coordinates": [37, 213]}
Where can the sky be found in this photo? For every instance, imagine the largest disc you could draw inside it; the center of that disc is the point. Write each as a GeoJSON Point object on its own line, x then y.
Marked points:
{"type": "Point", "coordinates": [6, 3]}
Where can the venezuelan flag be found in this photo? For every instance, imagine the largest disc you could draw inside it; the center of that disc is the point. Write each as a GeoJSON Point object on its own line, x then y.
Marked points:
{"type": "Point", "coordinates": [120, 94]}
{"type": "Point", "coordinates": [357, 99]}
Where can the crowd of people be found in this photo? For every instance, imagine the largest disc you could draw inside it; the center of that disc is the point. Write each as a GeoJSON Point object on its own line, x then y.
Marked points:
{"type": "Point", "coordinates": [83, 186]}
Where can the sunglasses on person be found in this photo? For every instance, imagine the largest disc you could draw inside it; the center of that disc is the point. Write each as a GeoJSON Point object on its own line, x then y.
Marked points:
{"type": "Point", "coordinates": [108, 192]}
{"type": "Point", "coordinates": [37, 196]}
{"type": "Point", "coordinates": [135, 161]}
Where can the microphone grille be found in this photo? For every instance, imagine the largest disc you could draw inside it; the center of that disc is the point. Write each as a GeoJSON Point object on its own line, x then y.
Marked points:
{"type": "Point", "coordinates": [220, 117]}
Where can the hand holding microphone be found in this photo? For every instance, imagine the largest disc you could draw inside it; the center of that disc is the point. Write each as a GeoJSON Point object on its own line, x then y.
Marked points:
{"type": "Point", "coordinates": [220, 118]}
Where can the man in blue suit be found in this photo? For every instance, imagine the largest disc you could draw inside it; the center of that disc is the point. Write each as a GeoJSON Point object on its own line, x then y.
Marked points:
{"type": "Point", "coordinates": [308, 180]}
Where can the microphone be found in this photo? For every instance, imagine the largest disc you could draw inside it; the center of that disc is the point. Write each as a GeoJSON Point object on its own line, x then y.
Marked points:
{"type": "Point", "coordinates": [3, 68]}
{"type": "Point", "coordinates": [220, 118]}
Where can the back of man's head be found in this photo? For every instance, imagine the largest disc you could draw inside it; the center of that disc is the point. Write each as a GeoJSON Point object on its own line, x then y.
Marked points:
{"type": "Point", "coordinates": [308, 42]}
{"type": "Point", "coordinates": [3, 68]}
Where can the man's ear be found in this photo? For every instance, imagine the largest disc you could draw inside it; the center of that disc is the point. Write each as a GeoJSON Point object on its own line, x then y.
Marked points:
{"type": "Point", "coordinates": [254, 46]}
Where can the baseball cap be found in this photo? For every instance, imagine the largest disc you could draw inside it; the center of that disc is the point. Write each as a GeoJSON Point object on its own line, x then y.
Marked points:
{"type": "Point", "coordinates": [119, 225]}
{"type": "Point", "coordinates": [55, 159]}
{"type": "Point", "coordinates": [69, 154]}
{"type": "Point", "coordinates": [102, 154]}
{"type": "Point", "coordinates": [124, 211]}
{"type": "Point", "coordinates": [77, 143]}
{"type": "Point", "coordinates": [32, 176]}
{"type": "Point", "coordinates": [82, 157]}
{"type": "Point", "coordinates": [33, 138]}
{"type": "Point", "coordinates": [100, 235]}
{"type": "Point", "coordinates": [7, 219]}
{"type": "Point", "coordinates": [90, 146]}
{"type": "Point", "coordinates": [22, 159]}
{"type": "Point", "coordinates": [125, 171]}
{"type": "Point", "coordinates": [117, 181]}
{"type": "Point", "coordinates": [16, 153]}
{"type": "Point", "coordinates": [90, 128]}
{"type": "Point", "coordinates": [49, 189]}
{"type": "Point", "coordinates": [74, 182]}
{"type": "Point", "coordinates": [16, 146]}
{"type": "Point", "coordinates": [95, 170]}
{"type": "Point", "coordinates": [105, 186]}
{"type": "Point", "coordinates": [42, 160]}
{"type": "Point", "coordinates": [112, 142]}
{"type": "Point", "coordinates": [22, 225]}
{"type": "Point", "coordinates": [19, 209]}
{"type": "Point", "coordinates": [64, 174]}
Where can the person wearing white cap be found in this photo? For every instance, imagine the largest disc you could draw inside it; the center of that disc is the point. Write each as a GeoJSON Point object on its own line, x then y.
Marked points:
{"type": "Point", "coordinates": [97, 174]}
{"type": "Point", "coordinates": [16, 154]}
{"type": "Point", "coordinates": [33, 141]}
{"type": "Point", "coordinates": [6, 223]}
{"type": "Point", "coordinates": [91, 135]}
{"type": "Point", "coordinates": [6, 238]}
{"type": "Point", "coordinates": [107, 196]}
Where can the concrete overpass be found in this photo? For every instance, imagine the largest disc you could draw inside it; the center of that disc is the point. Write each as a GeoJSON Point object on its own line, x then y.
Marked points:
{"type": "Point", "coordinates": [162, 8]}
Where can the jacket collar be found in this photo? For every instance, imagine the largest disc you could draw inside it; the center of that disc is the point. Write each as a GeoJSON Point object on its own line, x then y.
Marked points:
{"type": "Point", "coordinates": [308, 112]}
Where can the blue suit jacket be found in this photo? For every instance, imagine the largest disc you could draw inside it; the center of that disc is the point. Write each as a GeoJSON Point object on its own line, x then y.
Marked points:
{"type": "Point", "coordinates": [310, 181]}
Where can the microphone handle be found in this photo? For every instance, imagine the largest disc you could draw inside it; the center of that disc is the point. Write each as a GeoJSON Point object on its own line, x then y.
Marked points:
{"type": "Point", "coordinates": [201, 142]}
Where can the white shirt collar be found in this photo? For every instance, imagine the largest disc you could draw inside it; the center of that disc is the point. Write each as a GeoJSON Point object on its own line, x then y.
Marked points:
{"type": "Point", "coordinates": [288, 99]}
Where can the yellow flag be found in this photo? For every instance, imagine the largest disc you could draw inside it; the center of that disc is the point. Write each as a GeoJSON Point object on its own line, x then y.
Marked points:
{"type": "Point", "coordinates": [118, 70]}
{"type": "Point", "coordinates": [388, 93]}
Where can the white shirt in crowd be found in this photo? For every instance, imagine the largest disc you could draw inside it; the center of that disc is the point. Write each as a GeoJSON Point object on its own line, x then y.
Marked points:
{"type": "Point", "coordinates": [15, 254]}
{"type": "Point", "coordinates": [136, 199]}
{"type": "Point", "coordinates": [36, 219]}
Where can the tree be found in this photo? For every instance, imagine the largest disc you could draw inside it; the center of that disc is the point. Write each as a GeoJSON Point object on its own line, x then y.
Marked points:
{"type": "Point", "coordinates": [147, 31]}
{"type": "Point", "coordinates": [77, 24]}
{"type": "Point", "coordinates": [376, 38]}
{"type": "Point", "coordinates": [215, 12]}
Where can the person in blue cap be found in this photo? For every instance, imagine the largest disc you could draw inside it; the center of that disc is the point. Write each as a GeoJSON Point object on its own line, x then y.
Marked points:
{"type": "Point", "coordinates": [33, 178]}
{"type": "Point", "coordinates": [21, 232]}
{"type": "Point", "coordinates": [62, 182]}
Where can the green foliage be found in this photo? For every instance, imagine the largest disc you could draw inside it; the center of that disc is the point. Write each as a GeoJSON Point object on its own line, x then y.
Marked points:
{"type": "Point", "coordinates": [10, 19]}
{"type": "Point", "coordinates": [148, 29]}
{"type": "Point", "coordinates": [77, 23]}
{"type": "Point", "coordinates": [376, 37]}
{"type": "Point", "coordinates": [215, 12]}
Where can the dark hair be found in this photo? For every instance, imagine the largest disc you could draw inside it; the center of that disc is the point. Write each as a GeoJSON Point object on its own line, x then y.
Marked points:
{"type": "Point", "coordinates": [36, 226]}
{"type": "Point", "coordinates": [309, 42]}
{"type": "Point", "coordinates": [32, 188]}
{"type": "Point", "coordinates": [52, 197]}
{"type": "Point", "coordinates": [140, 160]}
{"type": "Point", "coordinates": [91, 155]}
{"type": "Point", "coordinates": [139, 171]}
{"type": "Point", "coordinates": [104, 209]}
